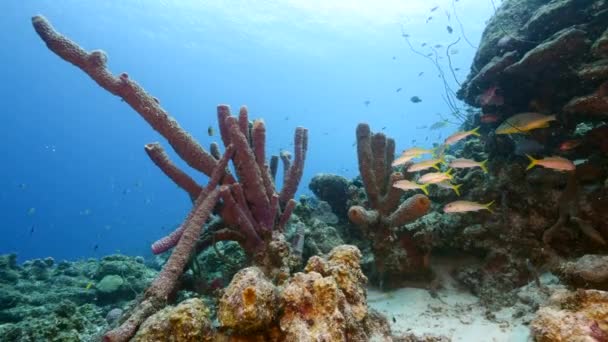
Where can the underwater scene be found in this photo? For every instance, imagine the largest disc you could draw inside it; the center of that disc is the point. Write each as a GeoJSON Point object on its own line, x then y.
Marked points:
{"type": "Point", "coordinates": [304, 170]}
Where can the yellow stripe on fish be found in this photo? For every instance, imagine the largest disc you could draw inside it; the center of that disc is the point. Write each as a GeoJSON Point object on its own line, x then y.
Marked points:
{"type": "Point", "coordinates": [466, 206]}
{"type": "Point", "coordinates": [435, 177]}
{"type": "Point", "coordinates": [456, 137]}
{"type": "Point", "coordinates": [409, 185]}
{"type": "Point", "coordinates": [462, 163]}
{"type": "Point", "coordinates": [555, 163]}
{"type": "Point", "coordinates": [524, 122]}
{"type": "Point", "coordinates": [426, 164]}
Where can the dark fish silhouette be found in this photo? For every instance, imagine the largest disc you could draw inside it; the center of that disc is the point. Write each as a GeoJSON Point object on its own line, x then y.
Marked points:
{"type": "Point", "coordinates": [96, 247]}
{"type": "Point", "coordinates": [210, 131]}
{"type": "Point", "coordinates": [415, 99]}
{"type": "Point", "coordinates": [449, 28]}
{"type": "Point", "coordinates": [429, 19]}
{"type": "Point", "coordinates": [398, 90]}
{"type": "Point", "coordinates": [434, 8]}
{"type": "Point", "coordinates": [367, 102]}
{"type": "Point", "coordinates": [420, 73]}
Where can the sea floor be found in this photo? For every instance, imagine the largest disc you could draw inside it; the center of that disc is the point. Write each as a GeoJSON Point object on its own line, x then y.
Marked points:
{"type": "Point", "coordinates": [453, 312]}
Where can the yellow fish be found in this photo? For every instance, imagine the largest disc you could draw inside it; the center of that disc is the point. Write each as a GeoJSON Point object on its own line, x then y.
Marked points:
{"type": "Point", "coordinates": [524, 122]}
{"type": "Point", "coordinates": [89, 285]}
{"type": "Point", "coordinates": [423, 165]}
{"type": "Point", "coordinates": [456, 137]}
{"type": "Point", "coordinates": [465, 206]}
{"type": "Point", "coordinates": [462, 163]}
{"type": "Point", "coordinates": [435, 177]}
{"type": "Point", "coordinates": [448, 185]}
{"type": "Point", "coordinates": [409, 185]}
{"type": "Point", "coordinates": [416, 151]}
{"type": "Point", "coordinates": [402, 160]}
{"type": "Point", "coordinates": [556, 163]}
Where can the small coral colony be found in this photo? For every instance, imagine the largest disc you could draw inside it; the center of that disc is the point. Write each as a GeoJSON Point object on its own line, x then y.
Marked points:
{"type": "Point", "coordinates": [521, 123]}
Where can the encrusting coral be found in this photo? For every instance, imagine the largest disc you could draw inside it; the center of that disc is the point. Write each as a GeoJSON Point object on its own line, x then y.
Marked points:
{"type": "Point", "coordinates": [395, 252]}
{"type": "Point", "coordinates": [253, 213]}
{"type": "Point", "coordinates": [326, 302]}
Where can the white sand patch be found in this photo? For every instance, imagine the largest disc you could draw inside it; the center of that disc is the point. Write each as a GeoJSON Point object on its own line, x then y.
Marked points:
{"type": "Point", "coordinates": [451, 312]}
{"type": "Point", "coordinates": [456, 315]}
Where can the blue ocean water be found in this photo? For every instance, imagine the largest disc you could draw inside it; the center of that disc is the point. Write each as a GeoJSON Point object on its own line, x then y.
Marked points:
{"type": "Point", "coordinates": [75, 180]}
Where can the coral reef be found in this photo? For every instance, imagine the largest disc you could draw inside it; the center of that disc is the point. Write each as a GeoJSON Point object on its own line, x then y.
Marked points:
{"type": "Point", "coordinates": [580, 315]}
{"type": "Point", "coordinates": [325, 302]}
{"type": "Point", "coordinates": [333, 189]}
{"type": "Point", "coordinates": [394, 250]}
{"type": "Point", "coordinates": [545, 57]}
{"type": "Point", "coordinates": [68, 303]}
{"type": "Point", "coordinates": [253, 213]}
{"type": "Point", "coordinates": [186, 322]}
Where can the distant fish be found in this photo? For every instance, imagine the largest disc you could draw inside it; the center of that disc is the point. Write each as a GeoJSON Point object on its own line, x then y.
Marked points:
{"type": "Point", "coordinates": [424, 165]}
{"type": "Point", "coordinates": [456, 137]}
{"type": "Point", "coordinates": [465, 206]}
{"type": "Point", "coordinates": [488, 118]}
{"type": "Point", "coordinates": [409, 185]}
{"type": "Point", "coordinates": [423, 44]}
{"type": "Point", "coordinates": [524, 122]}
{"type": "Point", "coordinates": [420, 73]}
{"type": "Point", "coordinates": [449, 28]}
{"type": "Point", "coordinates": [434, 8]}
{"type": "Point", "coordinates": [439, 124]}
{"type": "Point", "coordinates": [447, 185]}
{"type": "Point", "coordinates": [96, 247]}
{"type": "Point", "coordinates": [89, 285]}
{"type": "Point", "coordinates": [462, 163]}
{"type": "Point", "coordinates": [421, 127]}
{"type": "Point", "coordinates": [415, 99]}
{"type": "Point", "coordinates": [440, 151]}
{"type": "Point", "coordinates": [32, 229]}
{"type": "Point", "coordinates": [456, 69]}
{"type": "Point", "coordinates": [210, 131]}
{"type": "Point", "coordinates": [490, 97]}
{"type": "Point", "coordinates": [569, 144]}
{"type": "Point", "coordinates": [31, 211]}
{"type": "Point", "coordinates": [555, 163]}
{"type": "Point", "coordinates": [438, 46]}
{"type": "Point", "coordinates": [367, 102]}
{"type": "Point", "coordinates": [435, 177]}
{"type": "Point", "coordinates": [398, 90]}
{"type": "Point", "coordinates": [429, 19]}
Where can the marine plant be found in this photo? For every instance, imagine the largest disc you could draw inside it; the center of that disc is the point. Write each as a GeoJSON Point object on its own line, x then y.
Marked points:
{"type": "Point", "coordinates": [253, 213]}
{"type": "Point", "coordinates": [395, 251]}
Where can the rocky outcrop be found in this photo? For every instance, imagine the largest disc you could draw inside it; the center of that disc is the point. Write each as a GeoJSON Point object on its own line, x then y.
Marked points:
{"type": "Point", "coordinates": [581, 315]}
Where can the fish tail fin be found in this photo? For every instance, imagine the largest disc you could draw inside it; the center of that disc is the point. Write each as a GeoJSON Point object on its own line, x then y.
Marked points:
{"type": "Point", "coordinates": [488, 205]}
{"type": "Point", "coordinates": [533, 162]}
{"type": "Point", "coordinates": [456, 188]}
{"type": "Point", "coordinates": [483, 166]}
{"type": "Point", "coordinates": [474, 131]}
{"type": "Point", "coordinates": [436, 167]}
{"type": "Point", "coordinates": [425, 189]}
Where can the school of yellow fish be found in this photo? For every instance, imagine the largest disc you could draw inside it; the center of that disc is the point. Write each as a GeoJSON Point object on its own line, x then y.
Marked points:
{"type": "Point", "coordinates": [517, 124]}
